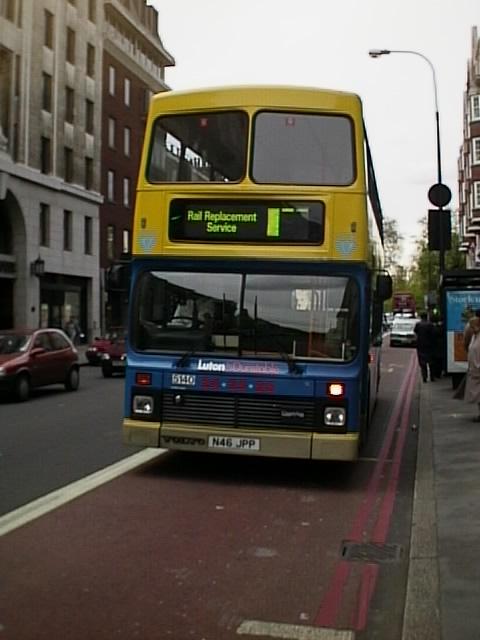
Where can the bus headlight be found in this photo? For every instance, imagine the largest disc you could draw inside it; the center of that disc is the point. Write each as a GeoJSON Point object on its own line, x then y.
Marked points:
{"type": "Point", "coordinates": [334, 416]}
{"type": "Point", "coordinates": [143, 405]}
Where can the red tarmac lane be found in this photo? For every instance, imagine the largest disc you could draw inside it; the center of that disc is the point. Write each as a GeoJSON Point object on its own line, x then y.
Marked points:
{"type": "Point", "coordinates": [206, 547]}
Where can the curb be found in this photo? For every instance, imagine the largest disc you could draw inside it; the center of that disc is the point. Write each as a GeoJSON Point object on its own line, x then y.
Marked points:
{"type": "Point", "coordinates": [421, 619]}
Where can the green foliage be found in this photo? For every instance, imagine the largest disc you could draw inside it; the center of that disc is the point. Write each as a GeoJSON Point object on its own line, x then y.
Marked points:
{"type": "Point", "coordinates": [423, 274]}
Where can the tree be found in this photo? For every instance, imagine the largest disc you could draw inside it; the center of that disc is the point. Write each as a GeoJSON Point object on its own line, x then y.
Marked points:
{"type": "Point", "coordinates": [425, 278]}
{"type": "Point", "coordinates": [391, 242]}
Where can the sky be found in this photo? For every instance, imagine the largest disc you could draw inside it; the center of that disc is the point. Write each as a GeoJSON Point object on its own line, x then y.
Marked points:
{"type": "Point", "coordinates": [325, 44]}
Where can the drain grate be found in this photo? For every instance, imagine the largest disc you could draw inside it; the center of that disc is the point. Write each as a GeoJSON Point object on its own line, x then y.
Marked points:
{"type": "Point", "coordinates": [371, 552]}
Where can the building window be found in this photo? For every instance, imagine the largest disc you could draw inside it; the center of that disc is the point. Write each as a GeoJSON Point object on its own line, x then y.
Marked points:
{"type": "Point", "coordinates": [70, 54]}
{"type": "Point", "coordinates": [88, 235]}
{"type": "Point", "coordinates": [476, 150]}
{"type": "Point", "coordinates": [126, 192]}
{"type": "Point", "coordinates": [110, 185]}
{"type": "Point", "coordinates": [111, 133]}
{"type": "Point", "coordinates": [111, 242]}
{"type": "Point", "coordinates": [68, 159]}
{"type": "Point", "coordinates": [48, 32]}
{"type": "Point", "coordinates": [89, 173]}
{"type": "Point", "coordinates": [45, 155]}
{"type": "Point", "coordinates": [44, 225]}
{"type": "Point", "coordinates": [67, 230]}
{"type": "Point", "coordinates": [475, 107]}
{"type": "Point", "coordinates": [476, 195]}
{"type": "Point", "coordinates": [46, 92]}
{"type": "Point", "coordinates": [88, 116]}
{"type": "Point", "coordinates": [92, 10]}
{"type": "Point", "coordinates": [126, 91]}
{"type": "Point", "coordinates": [111, 80]}
{"type": "Point", "coordinates": [126, 241]}
{"type": "Point", "coordinates": [126, 141]}
{"type": "Point", "coordinates": [90, 60]}
{"type": "Point", "coordinates": [69, 104]}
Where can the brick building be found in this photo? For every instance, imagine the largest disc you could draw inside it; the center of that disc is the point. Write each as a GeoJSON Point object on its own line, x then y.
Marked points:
{"type": "Point", "coordinates": [469, 161]}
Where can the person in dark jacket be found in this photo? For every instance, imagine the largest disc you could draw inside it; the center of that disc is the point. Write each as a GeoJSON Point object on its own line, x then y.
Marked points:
{"type": "Point", "coordinates": [425, 346]}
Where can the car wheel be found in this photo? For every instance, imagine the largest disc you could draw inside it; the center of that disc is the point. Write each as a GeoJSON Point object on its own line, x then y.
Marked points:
{"type": "Point", "coordinates": [107, 372]}
{"type": "Point", "coordinates": [22, 388]}
{"type": "Point", "coordinates": [73, 379]}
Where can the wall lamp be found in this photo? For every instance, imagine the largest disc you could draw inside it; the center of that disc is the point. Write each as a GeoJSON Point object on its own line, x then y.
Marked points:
{"type": "Point", "coordinates": [37, 267]}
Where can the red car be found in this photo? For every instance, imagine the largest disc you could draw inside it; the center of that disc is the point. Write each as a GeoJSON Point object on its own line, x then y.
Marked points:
{"type": "Point", "coordinates": [103, 345]}
{"type": "Point", "coordinates": [35, 358]}
{"type": "Point", "coordinates": [114, 359]}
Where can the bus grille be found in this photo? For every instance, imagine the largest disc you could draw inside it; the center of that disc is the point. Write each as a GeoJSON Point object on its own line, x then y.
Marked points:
{"type": "Point", "coordinates": [239, 411]}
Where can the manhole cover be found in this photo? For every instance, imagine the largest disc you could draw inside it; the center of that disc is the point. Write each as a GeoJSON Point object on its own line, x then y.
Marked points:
{"type": "Point", "coordinates": [371, 552]}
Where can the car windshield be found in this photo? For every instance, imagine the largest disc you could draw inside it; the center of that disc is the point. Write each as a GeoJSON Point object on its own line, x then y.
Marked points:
{"type": "Point", "coordinates": [247, 314]}
{"type": "Point", "coordinates": [13, 343]}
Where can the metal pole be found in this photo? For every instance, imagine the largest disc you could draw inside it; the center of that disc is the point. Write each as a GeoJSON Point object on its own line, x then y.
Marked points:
{"type": "Point", "coordinates": [375, 53]}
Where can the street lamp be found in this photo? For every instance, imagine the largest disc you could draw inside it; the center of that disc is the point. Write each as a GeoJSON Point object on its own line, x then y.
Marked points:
{"type": "Point", "coordinates": [439, 194]}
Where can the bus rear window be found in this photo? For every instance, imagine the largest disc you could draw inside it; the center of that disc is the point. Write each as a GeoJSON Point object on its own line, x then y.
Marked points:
{"type": "Point", "coordinates": [200, 147]}
{"type": "Point", "coordinates": [303, 149]}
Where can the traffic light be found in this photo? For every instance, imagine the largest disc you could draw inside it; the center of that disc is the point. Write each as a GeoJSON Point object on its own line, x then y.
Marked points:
{"type": "Point", "coordinates": [439, 230]}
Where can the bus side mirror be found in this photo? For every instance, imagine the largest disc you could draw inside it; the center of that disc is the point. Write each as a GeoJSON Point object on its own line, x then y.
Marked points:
{"type": "Point", "coordinates": [384, 286]}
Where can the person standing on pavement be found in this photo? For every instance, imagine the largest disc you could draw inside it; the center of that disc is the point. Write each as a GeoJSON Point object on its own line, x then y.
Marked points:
{"type": "Point", "coordinates": [472, 342]}
{"type": "Point", "coordinates": [425, 345]}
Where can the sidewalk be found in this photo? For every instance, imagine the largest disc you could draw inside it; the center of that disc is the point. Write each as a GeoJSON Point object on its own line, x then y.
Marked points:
{"type": "Point", "coordinates": [443, 593]}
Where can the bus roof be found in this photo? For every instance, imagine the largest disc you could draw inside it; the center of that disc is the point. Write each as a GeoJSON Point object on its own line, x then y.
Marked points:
{"type": "Point", "coordinates": [256, 96]}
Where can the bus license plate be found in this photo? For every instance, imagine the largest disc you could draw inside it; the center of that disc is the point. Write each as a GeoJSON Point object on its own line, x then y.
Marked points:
{"type": "Point", "coordinates": [227, 442]}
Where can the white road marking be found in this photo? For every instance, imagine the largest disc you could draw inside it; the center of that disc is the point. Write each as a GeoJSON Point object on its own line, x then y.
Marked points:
{"type": "Point", "coordinates": [59, 497]}
{"type": "Point", "coordinates": [292, 631]}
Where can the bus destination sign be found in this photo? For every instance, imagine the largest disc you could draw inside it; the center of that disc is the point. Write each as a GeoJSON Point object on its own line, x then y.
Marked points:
{"type": "Point", "coordinates": [247, 221]}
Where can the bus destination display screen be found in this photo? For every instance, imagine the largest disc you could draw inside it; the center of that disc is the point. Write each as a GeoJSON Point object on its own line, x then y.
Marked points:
{"type": "Point", "coordinates": [245, 221]}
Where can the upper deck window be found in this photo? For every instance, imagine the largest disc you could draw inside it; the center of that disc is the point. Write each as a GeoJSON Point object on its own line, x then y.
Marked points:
{"type": "Point", "coordinates": [200, 147]}
{"type": "Point", "coordinates": [304, 149]}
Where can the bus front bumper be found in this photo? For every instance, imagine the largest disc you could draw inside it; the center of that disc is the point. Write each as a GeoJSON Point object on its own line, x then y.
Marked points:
{"type": "Point", "coordinates": [278, 444]}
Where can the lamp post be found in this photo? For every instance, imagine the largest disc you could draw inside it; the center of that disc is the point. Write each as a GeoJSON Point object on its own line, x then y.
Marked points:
{"type": "Point", "coordinates": [439, 194]}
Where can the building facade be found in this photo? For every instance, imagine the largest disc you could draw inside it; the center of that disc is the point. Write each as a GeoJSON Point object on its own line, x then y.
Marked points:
{"type": "Point", "coordinates": [54, 129]}
{"type": "Point", "coordinates": [134, 62]}
{"type": "Point", "coordinates": [469, 161]}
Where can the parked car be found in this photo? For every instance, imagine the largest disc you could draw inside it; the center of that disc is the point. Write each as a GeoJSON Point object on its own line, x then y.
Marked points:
{"type": "Point", "coordinates": [35, 358]}
{"type": "Point", "coordinates": [104, 345]}
{"type": "Point", "coordinates": [114, 359]}
{"type": "Point", "coordinates": [403, 333]}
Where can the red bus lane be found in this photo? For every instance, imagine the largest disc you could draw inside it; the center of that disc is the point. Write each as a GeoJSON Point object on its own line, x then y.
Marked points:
{"type": "Point", "coordinates": [212, 547]}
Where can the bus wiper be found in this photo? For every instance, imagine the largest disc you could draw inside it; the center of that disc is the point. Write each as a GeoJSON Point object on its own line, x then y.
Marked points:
{"type": "Point", "coordinates": [292, 365]}
{"type": "Point", "coordinates": [184, 358]}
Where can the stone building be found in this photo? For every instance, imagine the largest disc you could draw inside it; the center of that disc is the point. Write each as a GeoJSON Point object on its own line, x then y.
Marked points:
{"type": "Point", "coordinates": [68, 70]}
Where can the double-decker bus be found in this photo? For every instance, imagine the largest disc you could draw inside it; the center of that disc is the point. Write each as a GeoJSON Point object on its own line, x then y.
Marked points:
{"type": "Point", "coordinates": [403, 303]}
{"type": "Point", "coordinates": [257, 281]}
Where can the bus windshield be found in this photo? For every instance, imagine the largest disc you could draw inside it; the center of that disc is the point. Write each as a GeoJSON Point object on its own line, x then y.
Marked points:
{"type": "Point", "coordinates": [247, 315]}
{"type": "Point", "coordinates": [288, 148]}
{"type": "Point", "coordinates": [204, 147]}
{"type": "Point", "coordinates": [295, 148]}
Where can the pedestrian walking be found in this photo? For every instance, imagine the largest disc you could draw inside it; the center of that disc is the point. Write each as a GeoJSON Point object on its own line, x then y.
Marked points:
{"type": "Point", "coordinates": [425, 345]}
{"type": "Point", "coordinates": [472, 380]}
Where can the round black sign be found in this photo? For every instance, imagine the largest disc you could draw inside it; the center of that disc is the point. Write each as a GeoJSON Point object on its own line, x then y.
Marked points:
{"type": "Point", "coordinates": [439, 195]}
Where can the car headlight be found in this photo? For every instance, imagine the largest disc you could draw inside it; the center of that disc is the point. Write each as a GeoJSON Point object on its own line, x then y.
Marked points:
{"type": "Point", "coordinates": [3, 371]}
{"type": "Point", "coordinates": [143, 405]}
{"type": "Point", "coordinates": [105, 356]}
